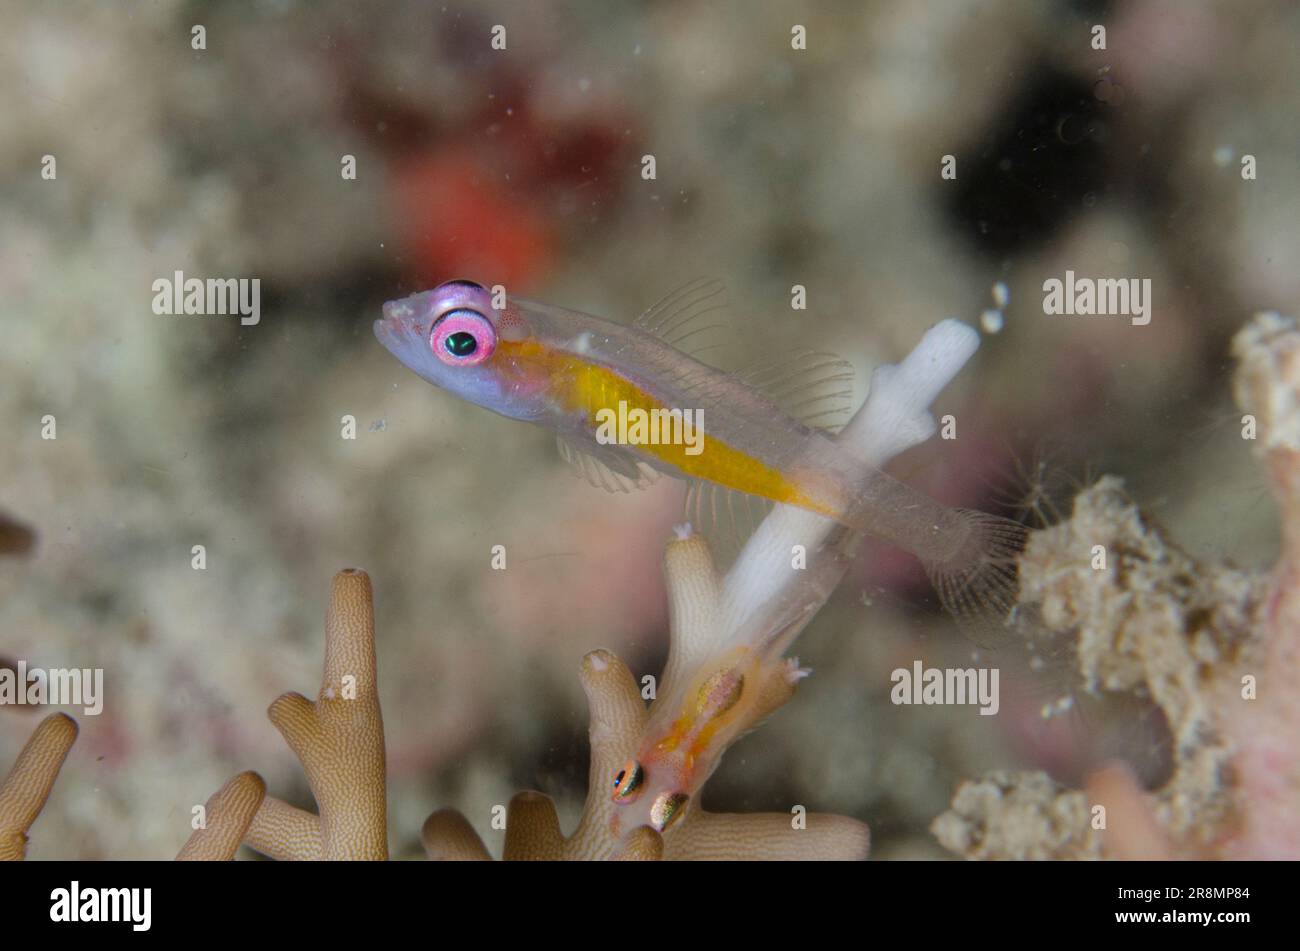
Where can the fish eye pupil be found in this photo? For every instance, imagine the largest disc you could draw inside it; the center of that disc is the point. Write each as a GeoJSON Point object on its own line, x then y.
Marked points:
{"type": "Point", "coordinates": [461, 344]}
{"type": "Point", "coordinates": [628, 782]}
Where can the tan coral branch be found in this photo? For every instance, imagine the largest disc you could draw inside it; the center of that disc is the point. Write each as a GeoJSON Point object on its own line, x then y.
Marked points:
{"type": "Point", "coordinates": [28, 784]}
{"type": "Point", "coordinates": [227, 816]}
{"type": "Point", "coordinates": [767, 836]}
{"type": "Point", "coordinates": [618, 718]}
{"type": "Point", "coordinates": [641, 845]}
{"type": "Point", "coordinates": [339, 738]}
{"type": "Point", "coordinates": [532, 829]}
{"type": "Point", "coordinates": [285, 833]}
{"type": "Point", "coordinates": [447, 836]}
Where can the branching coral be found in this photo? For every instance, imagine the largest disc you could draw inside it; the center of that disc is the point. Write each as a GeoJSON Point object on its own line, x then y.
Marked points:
{"type": "Point", "coordinates": [227, 817]}
{"type": "Point", "coordinates": [618, 717]}
{"type": "Point", "coordinates": [28, 785]}
{"type": "Point", "coordinates": [340, 741]}
{"type": "Point", "coordinates": [1214, 647]}
{"type": "Point", "coordinates": [532, 826]}
{"type": "Point", "coordinates": [763, 594]}
{"type": "Point", "coordinates": [339, 738]}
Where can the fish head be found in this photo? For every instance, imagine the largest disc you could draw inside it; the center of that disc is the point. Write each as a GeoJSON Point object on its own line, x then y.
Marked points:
{"type": "Point", "coordinates": [462, 338]}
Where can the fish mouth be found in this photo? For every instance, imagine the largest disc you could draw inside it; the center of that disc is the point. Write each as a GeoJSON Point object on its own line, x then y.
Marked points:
{"type": "Point", "coordinates": [384, 331]}
{"type": "Point", "coordinates": [389, 328]}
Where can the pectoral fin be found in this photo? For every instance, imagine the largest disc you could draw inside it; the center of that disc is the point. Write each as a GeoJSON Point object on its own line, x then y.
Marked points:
{"type": "Point", "coordinates": [609, 467]}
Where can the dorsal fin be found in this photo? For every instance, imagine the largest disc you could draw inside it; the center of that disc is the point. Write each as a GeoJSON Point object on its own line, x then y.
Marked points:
{"type": "Point", "coordinates": [813, 387]}
{"type": "Point", "coordinates": [612, 468]}
{"type": "Point", "coordinates": [683, 316]}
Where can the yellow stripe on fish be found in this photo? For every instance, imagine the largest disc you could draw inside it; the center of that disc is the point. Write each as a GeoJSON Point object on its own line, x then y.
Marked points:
{"type": "Point", "coordinates": [592, 389]}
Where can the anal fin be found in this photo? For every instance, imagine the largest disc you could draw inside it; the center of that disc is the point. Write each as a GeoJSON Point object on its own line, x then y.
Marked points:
{"type": "Point", "coordinates": [725, 517]}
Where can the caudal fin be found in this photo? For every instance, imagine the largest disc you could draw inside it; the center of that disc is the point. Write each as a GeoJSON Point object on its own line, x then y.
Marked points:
{"type": "Point", "coordinates": [980, 585]}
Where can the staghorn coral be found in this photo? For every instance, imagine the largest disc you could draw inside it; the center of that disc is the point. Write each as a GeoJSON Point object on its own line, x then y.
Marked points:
{"type": "Point", "coordinates": [228, 815]}
{"type": "Point", "coordinates": [28, 785]}
{"type": "Point", "coordinates": [618, 716]}
{"type": "Point", "coordinates": [332, 738]}
{"type": "Point", "coordinates": [340, 741]}
{"type": "Point", "coordinates": [1214, 647]}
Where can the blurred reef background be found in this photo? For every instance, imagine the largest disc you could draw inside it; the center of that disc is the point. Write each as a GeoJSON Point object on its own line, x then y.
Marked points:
{"type": "Point", "coordinates": [774, 167]}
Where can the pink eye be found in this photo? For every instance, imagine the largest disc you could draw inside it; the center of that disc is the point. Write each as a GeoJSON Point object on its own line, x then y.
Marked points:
{"type": "Point", "coordinates": [463, 337]}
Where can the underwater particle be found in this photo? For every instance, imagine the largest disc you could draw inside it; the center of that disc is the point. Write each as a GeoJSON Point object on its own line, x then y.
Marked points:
{"type": "Point", "coordinates": [1056, 708]}
{"type": "Point", "coordinates": [1223, 155]}
{"type": "Point", "coordinates": [380, 425]}
{"type": "Point", "coordinates": [991, 321]}
{"type": "Point", "coordinates": [1001, 295]}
